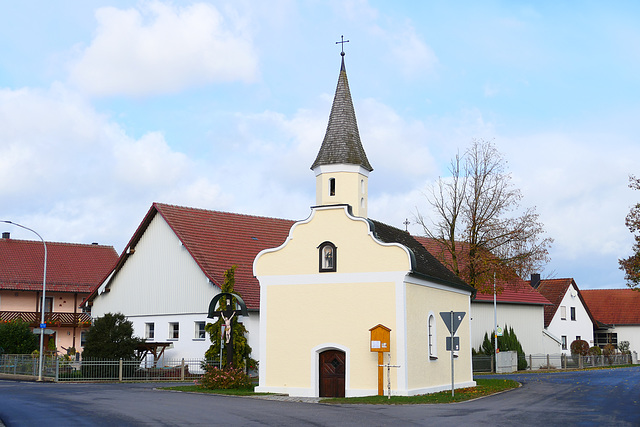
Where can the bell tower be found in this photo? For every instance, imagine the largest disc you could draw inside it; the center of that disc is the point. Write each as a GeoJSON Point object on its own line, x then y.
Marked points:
{"type": "Point", "coordinates": [341, 167]}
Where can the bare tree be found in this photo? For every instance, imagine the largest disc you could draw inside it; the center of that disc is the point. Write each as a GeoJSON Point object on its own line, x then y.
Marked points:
{"type": "Point", "coordinates": [631, 265]}
{"type": "Point", "coordinates": [477, 223]}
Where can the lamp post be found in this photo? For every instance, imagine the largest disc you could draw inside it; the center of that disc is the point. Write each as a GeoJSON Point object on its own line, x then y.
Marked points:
{"type": "Point", "coordinates": [44, 290]}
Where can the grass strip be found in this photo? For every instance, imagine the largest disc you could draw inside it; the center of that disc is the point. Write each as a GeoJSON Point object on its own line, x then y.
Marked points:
{"type": "Point", "coordinates": [485, 387]}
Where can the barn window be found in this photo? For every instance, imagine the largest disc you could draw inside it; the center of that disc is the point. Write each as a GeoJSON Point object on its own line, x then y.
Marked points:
{"type": "Point", "coordinates": [327, 253]}
{"type": "Point", "coordinates": [200, 332]}
{"type": "Point", "coordinates": [149, 330]}
{"type": "Point", "coordinates": [174, 331]}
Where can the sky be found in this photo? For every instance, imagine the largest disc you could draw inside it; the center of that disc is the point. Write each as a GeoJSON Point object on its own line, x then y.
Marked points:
{"type": "Point", "coordinates": [109, 106]}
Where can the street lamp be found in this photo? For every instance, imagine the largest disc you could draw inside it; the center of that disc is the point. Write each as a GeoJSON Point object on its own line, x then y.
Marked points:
{"type": "Point", "coordinates": [44, 290]}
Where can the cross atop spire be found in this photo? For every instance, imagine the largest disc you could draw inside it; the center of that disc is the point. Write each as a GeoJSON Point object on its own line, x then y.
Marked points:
{"type": "Point", "coordinates": [342, 42]}
{"type": "Point", "coordinates": [341, 144]}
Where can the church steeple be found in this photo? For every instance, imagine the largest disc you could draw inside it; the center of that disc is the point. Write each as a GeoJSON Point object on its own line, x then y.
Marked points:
{"type": "Point", "coordinates": [341, 167]}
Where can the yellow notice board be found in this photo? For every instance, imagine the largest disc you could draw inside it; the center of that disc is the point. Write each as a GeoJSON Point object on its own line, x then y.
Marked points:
{"type": "Point", "coordinates": [380, 339]}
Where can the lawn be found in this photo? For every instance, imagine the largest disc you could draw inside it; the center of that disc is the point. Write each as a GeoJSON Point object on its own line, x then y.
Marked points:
{"type": "Point", "coordinates": [485, 387]}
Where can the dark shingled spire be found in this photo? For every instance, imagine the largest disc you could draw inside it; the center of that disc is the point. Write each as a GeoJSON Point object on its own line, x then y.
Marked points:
{"type": "Point", "coordinates": [342, 140]}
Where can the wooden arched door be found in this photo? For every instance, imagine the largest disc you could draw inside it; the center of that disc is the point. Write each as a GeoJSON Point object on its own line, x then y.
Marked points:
{"type": "Point", "coordinates": [332, 373]}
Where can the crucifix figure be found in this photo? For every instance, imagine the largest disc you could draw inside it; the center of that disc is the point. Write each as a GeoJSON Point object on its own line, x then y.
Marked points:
{"type": "Point", "coordinates": [342, 42]}
{"type": "Point", "coordinates": [227, 315]}
{"type": "Point", "coordinates": [227, 325]}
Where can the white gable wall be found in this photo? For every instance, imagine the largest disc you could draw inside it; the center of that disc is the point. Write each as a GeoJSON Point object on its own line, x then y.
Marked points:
{"type": "Point", "coordinates": [580, 327]}
{"type": "Point", "coordinates": [527, 321]}
{"type": "Point", "coordinates": [161, 283]}
{"type": "Point", "coordinates": [160, 277]}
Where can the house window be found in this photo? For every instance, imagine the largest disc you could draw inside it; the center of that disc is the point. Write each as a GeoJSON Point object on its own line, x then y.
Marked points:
{"type": "Point", "coordinates": [573, 313]}
{"type": "Point", "coordinates": [332, 186]}
{"type": "Point", "coordinates": [432, 337]}
{"type": "Point", "coordinates": [83, 338]}
{"type": "Point", "coordinates": [200, 332]}
{"type": "Point", "coordinates": [48, 304]}
{"type": "Point", "coordinates": [174, 331]}
{"type": "Point", "coordinates": [149, 330]}
{"type": "Point", "coordinates": [563, 312]}
{"type": "Point", "coordinates": [578, 337]}
{"type": "Point", "coordinates": [564, 342]}
{"type": "Point", "coordinates": [327, 252]}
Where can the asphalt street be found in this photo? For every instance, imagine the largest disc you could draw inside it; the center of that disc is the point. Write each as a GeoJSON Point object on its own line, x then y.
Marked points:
{"type": "Point", "coordinates": [598, 397]}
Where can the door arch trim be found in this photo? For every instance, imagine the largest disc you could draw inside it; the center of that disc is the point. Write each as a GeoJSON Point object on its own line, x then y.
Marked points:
{"type": "Point", "coordinates": [315, 365]}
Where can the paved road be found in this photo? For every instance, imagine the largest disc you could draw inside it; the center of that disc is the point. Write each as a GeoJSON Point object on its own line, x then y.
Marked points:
{"type": "Point", "coordinates": [601, 397]}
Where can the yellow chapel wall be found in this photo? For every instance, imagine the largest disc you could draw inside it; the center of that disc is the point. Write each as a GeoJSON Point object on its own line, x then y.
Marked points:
{"type": "Point", "coordinates": [304, 311]}
{"type": "Point", "coordinates": [351, 189]}
{"type": "Point", "coordinates": [425, 375]}
{"type": "Point", "coordinates": [356, 249]}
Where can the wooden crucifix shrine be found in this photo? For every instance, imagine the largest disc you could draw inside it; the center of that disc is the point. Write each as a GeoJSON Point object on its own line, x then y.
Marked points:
{"type": "Point", "coordinates": [227, 316]}
{"type": "Point", "coordinates": [380, 343]}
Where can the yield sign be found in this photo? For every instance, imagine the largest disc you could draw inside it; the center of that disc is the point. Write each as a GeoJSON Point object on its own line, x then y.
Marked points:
{"type": "Point", "coordinates": [457, 319]}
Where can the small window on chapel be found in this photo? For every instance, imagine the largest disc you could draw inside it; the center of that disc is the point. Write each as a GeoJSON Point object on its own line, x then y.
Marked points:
{"type": "Point", "coordinates": [327, 253]}
{"type": "Point", "coordinates": [332, 186]}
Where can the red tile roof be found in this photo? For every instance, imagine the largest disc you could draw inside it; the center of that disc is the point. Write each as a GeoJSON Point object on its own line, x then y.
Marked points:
{"type": "Point", "coordinates": [511, 291]}
{"type": "Point", "coordinates": [70, 267]}
{"type": "Point", "coordinates": [614, 306]}
{"type": "Point", "coordinates": [216, 241]}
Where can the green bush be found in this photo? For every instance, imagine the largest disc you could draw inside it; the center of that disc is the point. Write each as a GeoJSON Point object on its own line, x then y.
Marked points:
{"type": "Point", "coordinates": [595, 351]}
{"type": "Point", "coordinates": [16, 338]}
{"type": "Point", "coordinates": [218, 379]}
{"type": "Point", "coordinates": [507, 342]}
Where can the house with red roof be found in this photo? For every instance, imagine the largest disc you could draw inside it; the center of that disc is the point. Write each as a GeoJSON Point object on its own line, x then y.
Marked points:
{"type": "Point", "coordinates": [73, 270]}
{"type": "Point", "coordinates": [618, 314]}
{"type": "Point", "coordinates": [174, 265]}
{"type": "Point", "coordinates": [517, 305]}
{"type": "Point", "coordinates": [568, 316]}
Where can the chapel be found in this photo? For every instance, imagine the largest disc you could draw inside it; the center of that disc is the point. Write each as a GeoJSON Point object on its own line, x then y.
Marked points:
{"type": "Point", "coordinates": [340, 274]}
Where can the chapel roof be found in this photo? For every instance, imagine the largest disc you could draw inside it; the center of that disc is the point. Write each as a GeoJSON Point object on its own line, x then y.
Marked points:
{"type": "Point", "coordinates": [614, 306]}
{"type": "Point", "coordinates": [341, 144]}
{"type": "Point", "coordinates": [71, 267]}
{"type": "Point", "coordinates": [424, 262]}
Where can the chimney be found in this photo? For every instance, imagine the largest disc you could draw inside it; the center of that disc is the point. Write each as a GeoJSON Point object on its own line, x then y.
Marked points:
{"type": "Point", "coordinates": [6, 235]}
{"type": "Point", "coordinates": [535, 280]}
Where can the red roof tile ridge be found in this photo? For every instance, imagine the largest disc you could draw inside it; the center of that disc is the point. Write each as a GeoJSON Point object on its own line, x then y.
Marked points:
{"type": "Point", "coordinates": [51, 243]}
{"type": "Point", "coordinates": [171, 206]}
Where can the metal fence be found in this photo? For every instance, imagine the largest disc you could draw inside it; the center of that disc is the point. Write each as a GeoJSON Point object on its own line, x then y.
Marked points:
{"type": "Point", "coordinates": [57, 369]}
{"type": "Point", "coordinates": [482, 363]}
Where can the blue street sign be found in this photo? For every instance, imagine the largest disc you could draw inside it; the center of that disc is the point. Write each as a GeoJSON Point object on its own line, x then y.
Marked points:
{"type": "Point", "coordinates": [43, 325]}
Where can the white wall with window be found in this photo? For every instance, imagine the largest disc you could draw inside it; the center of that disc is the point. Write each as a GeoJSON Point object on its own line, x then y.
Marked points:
{"type": "Point", "coordinates": [149, 294]}
{"type": "Point", "coordinates": [571, 320]}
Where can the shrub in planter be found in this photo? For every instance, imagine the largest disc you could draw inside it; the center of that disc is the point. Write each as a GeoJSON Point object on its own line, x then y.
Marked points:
{"type": "Point", "coordinates": [216, 378]}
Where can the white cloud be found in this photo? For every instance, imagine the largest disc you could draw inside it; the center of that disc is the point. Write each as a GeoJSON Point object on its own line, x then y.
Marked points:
{"type": "Point", "coordinates": [413, 55]}
{"type": "Point", "coordinates": [162, 48]}
{"type": "Point", "coordinates": [77, 176]}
